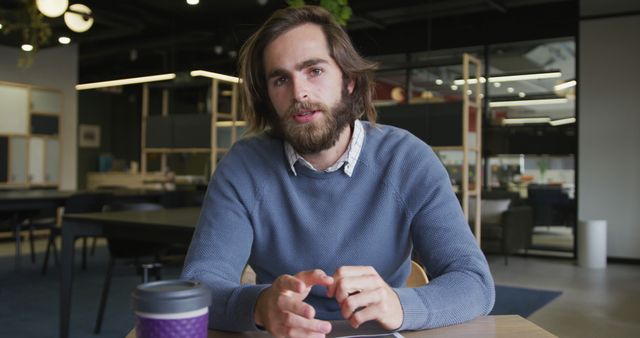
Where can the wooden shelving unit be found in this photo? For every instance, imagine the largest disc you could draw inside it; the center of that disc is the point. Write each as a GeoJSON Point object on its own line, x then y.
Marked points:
{"type": "Point", "coordinates": [30, 136]}
{"type": "Point", "coordinates": [219, 119]}
{"type": "Point", "coordinates": [469, 102]}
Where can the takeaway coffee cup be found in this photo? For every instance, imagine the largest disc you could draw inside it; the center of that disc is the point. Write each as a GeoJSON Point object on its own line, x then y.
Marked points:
{"type": "Point", "coordinates": [171, 309]}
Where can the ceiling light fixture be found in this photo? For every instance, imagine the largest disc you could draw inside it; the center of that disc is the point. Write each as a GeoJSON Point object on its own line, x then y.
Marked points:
{"type": "Point", "coordinates": [27, 47]}
{"type": "Point", "coordinates": [525, 120]}
{"type": "Point", "coordinates": [128, 81]}
{"type": "Point", "coordinates": [439, 82]}
{"type": "Point", "coordinates": [52, 8]}
{"type": "Point", "coordinates": [78, 18]}
{"type": "Point", "coordinates": [519, 103]}
{"type": "Point", "coordinates": [213, 75]}
{"type": "Point", "coordinates": [64, 40]}
{"type": "Point", "coordinates": [454, 87]}
{"type": "Point", "coordinates": [560, 122]}
{"type": "Point", "coordinates": [522, 94]}
{"type": "Point", "coordinates": [509, 78]}
{"type": "Point", "coordinates": [193, 2]}
{"type": "Point", "coordinates": [565, 85]}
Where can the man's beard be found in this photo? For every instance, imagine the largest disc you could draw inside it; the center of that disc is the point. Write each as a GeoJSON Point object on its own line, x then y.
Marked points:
{"type": "Point", "coordinates": [316, 136]}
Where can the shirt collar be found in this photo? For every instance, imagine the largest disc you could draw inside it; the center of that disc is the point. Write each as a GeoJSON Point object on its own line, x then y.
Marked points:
{"type": "Point", "coordinates": [347, 160]}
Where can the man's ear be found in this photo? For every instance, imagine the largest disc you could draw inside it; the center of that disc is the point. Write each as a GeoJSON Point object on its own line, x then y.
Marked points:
{"type": "Point", "coordinates": [351, 84]}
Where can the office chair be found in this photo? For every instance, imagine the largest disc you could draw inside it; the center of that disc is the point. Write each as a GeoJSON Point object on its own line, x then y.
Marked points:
{"type": "Point", "coordinates": [75, 204]}
{"type": "Point", "coordinates": [129, 250]}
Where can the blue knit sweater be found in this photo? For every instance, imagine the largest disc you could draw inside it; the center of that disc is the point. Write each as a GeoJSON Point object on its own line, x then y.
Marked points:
{"type": "Point", "coordinates": [258, 212]}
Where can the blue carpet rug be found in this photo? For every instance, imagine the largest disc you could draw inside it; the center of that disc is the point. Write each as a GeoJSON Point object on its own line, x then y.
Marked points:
{"type": "Point", "coordinates": [30, 302]}
{"type": "Point", "coordinates": [521, 301]}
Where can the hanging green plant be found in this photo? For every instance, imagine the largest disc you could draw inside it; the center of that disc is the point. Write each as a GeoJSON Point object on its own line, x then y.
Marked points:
{"type": "Point", "coordinates": [338, 8]}
{"type": "Point", "coordinates": [35, 31]}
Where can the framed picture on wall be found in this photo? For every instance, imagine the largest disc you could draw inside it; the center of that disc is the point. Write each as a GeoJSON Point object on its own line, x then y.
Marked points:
{"type": "Point", "coordinates": [89, 136]}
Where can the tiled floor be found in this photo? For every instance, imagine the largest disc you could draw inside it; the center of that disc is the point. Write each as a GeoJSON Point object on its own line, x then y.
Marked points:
{"type": "Point", "coordinates": [594, 303]}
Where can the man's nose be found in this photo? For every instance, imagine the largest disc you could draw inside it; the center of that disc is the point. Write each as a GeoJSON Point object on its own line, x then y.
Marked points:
{"type": "Point", "coordinates": [300, 90]}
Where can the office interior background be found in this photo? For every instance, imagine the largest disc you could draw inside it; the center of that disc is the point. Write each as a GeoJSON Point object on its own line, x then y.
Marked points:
{"type": "Point", "coordinates": [582, 140]}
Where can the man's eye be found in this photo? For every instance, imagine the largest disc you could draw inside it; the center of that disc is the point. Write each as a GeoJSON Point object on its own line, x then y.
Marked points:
{"type": "Point", "coordinates": [280, 81]}
{"type": "Point", "coordinates": [317, 71]}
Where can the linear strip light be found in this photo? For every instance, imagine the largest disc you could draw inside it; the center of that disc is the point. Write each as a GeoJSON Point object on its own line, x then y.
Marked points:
{"type": "Point", "coordinates": [509, 78]}
{"type": "Point", "coordinates": [525, 120]}
{"type": "Point", "coordinates": [231, 124]}
{"type": "Point", "coordinates": [560, 122]}
{"type": "Point", "coordinates": [565, 85]}
{"type": "Point", "coordinates": [518, 103]}
{"type": "Point", "coordinates": [213, 75]}
{"type": "Point", "coordinates": [128, 81]}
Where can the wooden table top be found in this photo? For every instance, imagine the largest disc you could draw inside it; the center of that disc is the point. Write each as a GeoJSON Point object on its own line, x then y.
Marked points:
{"type": "Point", "coordinates": [483, 327]}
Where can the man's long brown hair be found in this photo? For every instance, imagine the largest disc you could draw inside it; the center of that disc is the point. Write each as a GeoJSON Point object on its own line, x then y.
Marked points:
{"type": "Point", "coordinates": [259, 111]}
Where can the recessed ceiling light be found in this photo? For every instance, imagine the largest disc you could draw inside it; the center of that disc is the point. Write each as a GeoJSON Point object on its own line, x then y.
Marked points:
{"type": "Point", "coordinates": [510, 90]}
{"type": "Point", "coordinates": [454, 87]}
{"type": "Point", "coordinates": [522, 94]}
{"type": "Point", "coordinates": [497, 84]}
{"type": "Point", "coordinates": [469, 92]}
{"type": "Point", "coordinates": [64, 40]}
{"type": "Point", "coordinates": [0, 26]}
{"type": "Point", "coordinates": [27, 47]}
{"type": "Point", "coordinates": [193, 2]}
{"type": "Point", "coordinates": [439, 81]}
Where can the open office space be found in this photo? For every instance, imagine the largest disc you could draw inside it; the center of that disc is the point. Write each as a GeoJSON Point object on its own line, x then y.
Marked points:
{"type": "Point", "coordinates": [531, 106]}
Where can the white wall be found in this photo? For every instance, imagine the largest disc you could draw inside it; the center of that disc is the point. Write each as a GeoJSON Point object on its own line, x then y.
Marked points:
{"type": "Point", "coordinates": [609, 129]}
{"type": "Point", "coordinates": [55, 67]}
{"type": "Point", "coordinates": [602, 7]}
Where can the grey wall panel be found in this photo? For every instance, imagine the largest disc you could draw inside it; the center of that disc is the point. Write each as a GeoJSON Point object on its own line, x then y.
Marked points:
{"type": "Point", "coordinates": [44, 124]}
{"type": "Point", "coordinates": [608, 137]}
{"type": "Point", "coordinates": [159, 132]}
{"type": "Point", "coordinates": [191, 130]}
{"type": "Point", "coordinates": [438, 124]}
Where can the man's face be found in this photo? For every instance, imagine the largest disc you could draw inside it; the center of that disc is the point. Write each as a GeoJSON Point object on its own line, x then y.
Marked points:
{"type": "Point", "coordinates": [306, 89]}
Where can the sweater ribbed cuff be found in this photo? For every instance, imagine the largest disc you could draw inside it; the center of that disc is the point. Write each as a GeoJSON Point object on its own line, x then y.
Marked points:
{"type": "Point", "coordinates": [246, 306]}
{"type": "Point", "coordinates": [412, 308]}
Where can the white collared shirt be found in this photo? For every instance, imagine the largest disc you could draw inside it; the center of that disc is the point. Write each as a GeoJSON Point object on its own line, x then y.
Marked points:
{"type": "Point", "coordinates": [348, 159]}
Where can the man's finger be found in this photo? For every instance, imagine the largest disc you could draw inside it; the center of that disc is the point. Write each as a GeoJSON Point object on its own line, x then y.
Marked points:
{"type": "Point", "coordinates": [349, 286]}
{"type": "Point", "coordinates": [357, 302]}
{"type": "Point", "coordinates": [347, 272]}
{"type": "Point", "coordinates": [371, 312]}
{"type": "Point", "coordinates": [296, 306]}
{"type": "Point", "coordinates": [288, 282]}
{"type": "Point", "coordinates": [315, 277]}
{"type": "Point", "coordinates": [293, 321]}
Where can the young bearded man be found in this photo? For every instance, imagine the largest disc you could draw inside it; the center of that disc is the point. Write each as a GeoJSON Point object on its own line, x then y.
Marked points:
{"type": "Point", "coordinates": [326, 208]}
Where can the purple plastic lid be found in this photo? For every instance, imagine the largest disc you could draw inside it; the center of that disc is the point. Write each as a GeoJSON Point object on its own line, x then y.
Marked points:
{"type": "Point", "coordinates": [170, 296]}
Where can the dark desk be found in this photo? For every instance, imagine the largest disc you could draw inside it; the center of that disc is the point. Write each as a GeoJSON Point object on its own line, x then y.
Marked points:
{"type": "Point", "coordinates": [27, 200]}
{"type": "Point", "coordinates": [16, 201]}
{"type": "Point", "coordinates": [482, 327]}
{"type": "Point", "coordinates": [169, 226]}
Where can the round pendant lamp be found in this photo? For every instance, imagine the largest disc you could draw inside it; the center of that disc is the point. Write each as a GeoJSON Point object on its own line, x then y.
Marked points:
{"type": "Point", "coordinates": [52, 8]}
{"type": "Point", "coordinates": [78, 18]}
